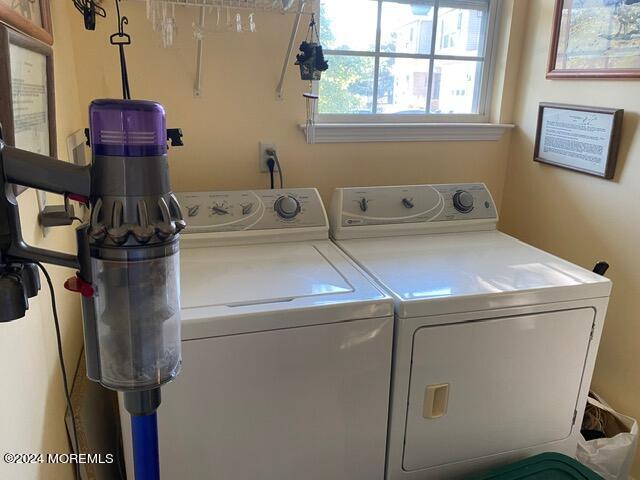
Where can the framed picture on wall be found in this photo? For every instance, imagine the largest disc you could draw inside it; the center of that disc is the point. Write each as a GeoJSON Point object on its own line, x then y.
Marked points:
{"type": "Point", "coordinates": [585, 139]}
{"type": "Point", "coordinates": [32, 17]}
{"type": "Point", "coordinates": [27, 102]}
{"type": "Point", "coordinates": [595, 39]}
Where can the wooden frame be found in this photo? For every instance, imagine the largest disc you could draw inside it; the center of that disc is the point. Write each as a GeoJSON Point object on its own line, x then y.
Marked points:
{"type": "Point", "coordinates": [43, 33]}
{"type": "Point", "coordinates": [555, 73]}
{"type": "Point", "coordinates": [613, 138]}
{"type": "Point", "coordinates": [9, 37]}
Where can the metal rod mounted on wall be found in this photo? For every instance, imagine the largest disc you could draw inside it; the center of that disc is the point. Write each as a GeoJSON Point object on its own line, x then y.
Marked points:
{"type": "Point", "coordinates": [287, 58]}
{"type": "Point", "coordinates": [199, 34]}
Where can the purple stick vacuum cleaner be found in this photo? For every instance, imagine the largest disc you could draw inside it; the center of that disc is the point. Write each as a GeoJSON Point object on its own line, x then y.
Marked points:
{"type": "Point", "coordinates": [127, 261]}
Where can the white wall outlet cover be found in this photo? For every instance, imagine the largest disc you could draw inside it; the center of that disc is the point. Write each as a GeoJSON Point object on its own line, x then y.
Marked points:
{"type": "Point", "coordinates": [263, 156]}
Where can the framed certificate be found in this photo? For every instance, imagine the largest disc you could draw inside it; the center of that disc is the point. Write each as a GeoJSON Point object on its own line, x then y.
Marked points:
{"type": "Point", "coordinates": [27, 103]}
{"type": "Point", "coordinates": [585, 139]}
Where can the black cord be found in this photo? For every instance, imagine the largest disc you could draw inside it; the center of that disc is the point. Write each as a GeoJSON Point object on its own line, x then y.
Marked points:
{"type": "Point", "coordinates": [126, 91]}
{"type": "Point", "coordinates": [121, 39]}
{"type": "Point", "coordinates": [271, 163]}
{"type": "Point", "coordinates": [274, 156]}
{"type": "Point", "coordinates": [63, 369]}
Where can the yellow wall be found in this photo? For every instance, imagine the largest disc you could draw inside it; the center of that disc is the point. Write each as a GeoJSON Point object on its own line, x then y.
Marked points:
{"type": "Point", "coordinates": [238, 109]}
{"type": "Point", "coordinates": [579, 217]}
{"type": "Point", "coordinates": [32, 403]}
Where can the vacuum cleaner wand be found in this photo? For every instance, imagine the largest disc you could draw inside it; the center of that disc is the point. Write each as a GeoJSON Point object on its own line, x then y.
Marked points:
{"type": "Point", "coordinates": [127, 259]}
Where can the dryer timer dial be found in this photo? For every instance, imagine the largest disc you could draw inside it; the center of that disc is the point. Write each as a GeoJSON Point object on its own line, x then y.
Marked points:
{"type": "Point", "coordinates": [463, 201]}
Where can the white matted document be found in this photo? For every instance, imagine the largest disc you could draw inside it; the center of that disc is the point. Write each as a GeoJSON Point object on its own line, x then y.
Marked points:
{"type": "Point", "coordinates": [579, 138]}
{"type": "Point", "coordinates": [30, 100]}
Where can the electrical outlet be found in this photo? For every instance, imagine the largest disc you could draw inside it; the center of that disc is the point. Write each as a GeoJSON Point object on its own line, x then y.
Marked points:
{"type": "Point", "coordinates": [263, 156]}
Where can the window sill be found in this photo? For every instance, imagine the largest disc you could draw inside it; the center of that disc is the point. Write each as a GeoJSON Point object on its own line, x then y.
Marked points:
{"type": "Point", "coordinates": [407, 132]}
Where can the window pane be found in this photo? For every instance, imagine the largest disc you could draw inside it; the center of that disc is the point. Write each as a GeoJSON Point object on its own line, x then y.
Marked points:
{"type": "Point", "coordinates": [402, 86]}
{"type": "Point", "coordinates": [406, 27]}
{"type": "Point", "coordinates": [349, 25]}
{"type": "Point", "coordinates": [461, 31]}
{"type": "Point", "coordinates": [347, 87]}
{"type": "Point", "coordinates": [456, 85]}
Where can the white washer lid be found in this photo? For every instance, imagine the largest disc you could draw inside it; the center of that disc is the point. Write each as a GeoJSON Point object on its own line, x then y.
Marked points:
{"type": "Point", "coordinates": [238, 289]}
{"type": "Point", "coordinates": [250, 275]}
{"type": "Point", "coordinates": [464, 272]}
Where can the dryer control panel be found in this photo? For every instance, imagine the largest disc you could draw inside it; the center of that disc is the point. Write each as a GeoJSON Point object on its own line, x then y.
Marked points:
{"type": "Point", "coordinates": [412, 208]}
{"type": "Point", "coordinates": [252, 210]}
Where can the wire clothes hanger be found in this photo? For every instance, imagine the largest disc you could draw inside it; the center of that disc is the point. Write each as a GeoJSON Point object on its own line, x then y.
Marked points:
{"type": "Point", "coordinates": [120, 38]}
{"type": "Point", "coordinates": [89, 9]}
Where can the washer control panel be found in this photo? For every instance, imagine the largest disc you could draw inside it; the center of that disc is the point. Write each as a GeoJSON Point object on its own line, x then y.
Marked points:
{"type": "Point", "coordinates": [252, 210]}
{"type": "Point", "coordinates": [412, 204]}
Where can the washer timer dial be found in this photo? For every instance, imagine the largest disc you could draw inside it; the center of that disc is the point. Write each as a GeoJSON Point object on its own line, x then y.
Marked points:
{"type": "Point", "coordinates": [287, 207]}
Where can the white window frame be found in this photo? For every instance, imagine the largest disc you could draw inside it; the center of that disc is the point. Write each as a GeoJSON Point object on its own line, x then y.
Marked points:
{"type": "Point", "coordinates": [331, 128]}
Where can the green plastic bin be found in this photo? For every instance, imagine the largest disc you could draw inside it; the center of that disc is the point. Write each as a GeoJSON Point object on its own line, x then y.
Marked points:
{"type": "Point", "coordinates": [547, 466]}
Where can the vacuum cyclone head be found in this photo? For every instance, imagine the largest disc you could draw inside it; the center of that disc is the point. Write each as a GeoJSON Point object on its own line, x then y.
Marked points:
{"type": "Point", "coordinates": [133, 239]}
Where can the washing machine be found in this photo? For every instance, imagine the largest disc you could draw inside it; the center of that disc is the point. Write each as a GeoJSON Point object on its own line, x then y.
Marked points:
{"type": "Point", "coordinates": [287, 347]}
{"type": "Point", "coordinates": [495, 340]}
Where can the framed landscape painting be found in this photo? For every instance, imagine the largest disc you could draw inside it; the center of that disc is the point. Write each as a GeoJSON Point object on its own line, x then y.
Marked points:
{"type": "Point", "coordinates": [595, 39]}
{"type": "Point", "coordinates": [32, 17]}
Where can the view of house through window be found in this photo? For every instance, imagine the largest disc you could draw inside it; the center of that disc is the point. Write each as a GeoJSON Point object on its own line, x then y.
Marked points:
{"type": "Point", "coordinates": [414, 57]}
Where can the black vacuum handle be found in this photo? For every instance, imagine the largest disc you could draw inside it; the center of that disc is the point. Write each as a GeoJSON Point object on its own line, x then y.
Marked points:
{"type": "Point", "coordinates": [44, 173]}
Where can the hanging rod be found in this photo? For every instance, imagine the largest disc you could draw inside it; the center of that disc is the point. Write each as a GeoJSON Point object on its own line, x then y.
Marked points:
{"type": "Point", "coordinates": [296, 7]}
{"type": "Point", "coordinates": [256, 5]}
{"type": "Point", "coordinates": [287, 57]}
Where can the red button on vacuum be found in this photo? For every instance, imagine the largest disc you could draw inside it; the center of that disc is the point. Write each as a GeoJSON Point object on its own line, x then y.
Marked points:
{"type": "Point", "coordinates": [78, 285]}
{"type": "Point", "coordinates": [78, 198]}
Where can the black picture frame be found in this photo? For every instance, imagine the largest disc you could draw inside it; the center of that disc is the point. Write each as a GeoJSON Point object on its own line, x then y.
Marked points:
{"type": "Point", "coordinates": [609, 168]}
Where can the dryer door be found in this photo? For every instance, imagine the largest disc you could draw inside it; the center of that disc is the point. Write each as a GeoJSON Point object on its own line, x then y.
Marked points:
{"type": "Point", "coordinates": [485, 387]}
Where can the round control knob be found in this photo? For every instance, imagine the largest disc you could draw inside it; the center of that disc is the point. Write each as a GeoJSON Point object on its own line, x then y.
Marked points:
{"type": "Point", "coordinates": [463, 201]}
{"type": "Point", "coordinates": [287, 207]}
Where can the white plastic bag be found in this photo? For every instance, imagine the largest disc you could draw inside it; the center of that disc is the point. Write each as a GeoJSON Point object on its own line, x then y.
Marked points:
{"type": "Point", "coordinates": [610, 457]}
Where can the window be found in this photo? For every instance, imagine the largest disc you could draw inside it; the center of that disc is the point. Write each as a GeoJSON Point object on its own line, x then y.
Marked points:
{"type": "Point", "coordinates": [406, 60]}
